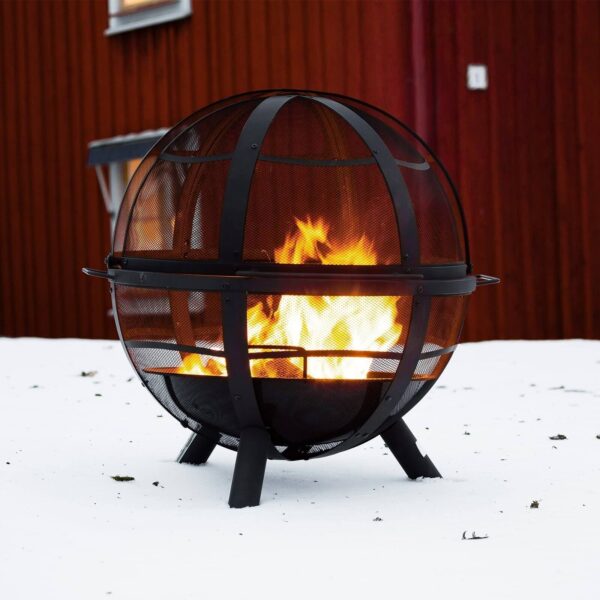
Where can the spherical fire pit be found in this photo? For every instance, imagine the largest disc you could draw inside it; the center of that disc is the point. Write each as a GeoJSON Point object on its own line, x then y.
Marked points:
{"type": "Point", "coordinates": [290, 273]}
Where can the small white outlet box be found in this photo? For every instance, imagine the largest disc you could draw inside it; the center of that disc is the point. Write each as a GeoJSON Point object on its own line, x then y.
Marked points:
{"type": "Point", "coordinates": [477, 77]}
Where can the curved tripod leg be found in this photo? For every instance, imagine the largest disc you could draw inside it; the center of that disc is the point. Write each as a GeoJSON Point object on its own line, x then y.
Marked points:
{"type": "Point", "coordinates": [198, 448]}
{"type": "Point", "coordinates": [402, 443]}
{"type": "Point", "coordinates": [250, 467]}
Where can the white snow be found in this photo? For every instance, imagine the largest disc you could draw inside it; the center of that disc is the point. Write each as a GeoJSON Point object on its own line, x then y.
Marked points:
{"type": "Point", "coordinates": [68, 531]}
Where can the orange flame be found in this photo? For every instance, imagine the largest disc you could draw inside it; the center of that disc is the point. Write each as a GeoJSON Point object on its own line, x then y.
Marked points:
{"type": "Point", "coordinates": [315, 322]}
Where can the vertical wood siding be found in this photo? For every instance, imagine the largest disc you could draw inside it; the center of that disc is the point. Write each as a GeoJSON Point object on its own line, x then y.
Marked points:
{"type": "Point", "coordinates": [523, 157]}
{"type": "Point", "coordinates": [523, 153]}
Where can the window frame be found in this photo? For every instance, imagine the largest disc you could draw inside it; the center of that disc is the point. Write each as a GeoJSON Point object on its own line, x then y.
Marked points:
{"type": "Point", "coordinates": [162, 11]}
{"type": "Point", "coordinates": [109, 157]}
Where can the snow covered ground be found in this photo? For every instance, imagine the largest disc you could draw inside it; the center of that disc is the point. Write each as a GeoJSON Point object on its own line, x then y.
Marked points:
{"type": "Point", "coordinates": [348, 526]}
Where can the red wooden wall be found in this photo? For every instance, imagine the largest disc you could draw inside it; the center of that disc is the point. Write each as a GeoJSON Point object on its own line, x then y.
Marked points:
{"type": "Point", "coordinates": [523, 156]}
{"type": "Point", "coordinates": [522, 153]}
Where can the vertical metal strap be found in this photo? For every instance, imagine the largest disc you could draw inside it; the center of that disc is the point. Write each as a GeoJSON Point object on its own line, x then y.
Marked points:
{"type": "Point", "coordinates": [410, 357]}
{"type": "Point", "coordinates": [231, 244]}
{"type": "Point", "coordinates": [239, 178]}
{"type": "Point", "coordinates": [233, 218]}
{"type": "Point", "coordinates": [407, 406]}
{"type": "Point", "coordinates": [190, 198]}
{"type": "Point", "coordinates": [403, 207]}
{"type": "Point", "coordinates": [235, 342]}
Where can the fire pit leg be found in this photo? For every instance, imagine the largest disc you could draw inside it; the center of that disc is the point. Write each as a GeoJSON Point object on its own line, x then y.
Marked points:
{"type": "Point", "coordinates": [249, 469]}
{"type": "Point", "coordinates": [401, 442]}
{"type": "Point", "coordinates": [198, 449]}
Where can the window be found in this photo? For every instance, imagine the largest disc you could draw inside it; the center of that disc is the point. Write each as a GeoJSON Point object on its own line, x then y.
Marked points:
{"type": "Point", "coordinates": [125, 15]}
{"type": "Point", "coordinates": [115, 160]}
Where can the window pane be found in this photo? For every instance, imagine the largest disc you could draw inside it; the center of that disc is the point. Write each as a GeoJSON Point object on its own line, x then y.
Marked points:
{"type": "Point", "coordinates": [129, 5]}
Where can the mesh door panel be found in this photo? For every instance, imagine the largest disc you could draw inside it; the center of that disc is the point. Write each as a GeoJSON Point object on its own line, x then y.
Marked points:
{"type": "Point", "coordinates": [347, 212]}
{"type": "Point", "coordinates": [443, 331]}
{"type": "Point", "coordinates": [213, 135]}
{"type": "Point", "coordinates": [208, 132]}
{"type": "Point", "coordinates": [413, 388]}
{"type": "Point", "coordinates": [321, 448]}
{"type": "Point", "coordinates": [439, 237]}
{"type": "Point", "coordinates": [304, 129]}
{"type": "Point", "coordinates": [435, 205]}
{"type": "Point", "coordinates": [446, 318]}
{"type": "Point", "coordinates": [402, 147]}
{"type": "Point", "coordinates": [151, 220]}
{"type": "Point", "coordinates": [187, 319]}
{"type": "Point", "coordinates": [326, 323]}
{"type": "Point", "coordinates": [191, 318]}
{"type": "Point", "coordinates": [177, 213]}
{"type": "Point", "coordinates": [133, 189]}
{"type": "Point", "coordinates": [445, 324]}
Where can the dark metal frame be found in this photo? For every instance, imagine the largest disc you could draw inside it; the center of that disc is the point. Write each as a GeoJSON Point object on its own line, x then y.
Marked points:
{"type": "Point", "coordinates": [235, 279]}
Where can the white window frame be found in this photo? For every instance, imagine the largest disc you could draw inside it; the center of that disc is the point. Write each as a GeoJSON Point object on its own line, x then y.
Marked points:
{"type": "Point", "coordinates": [120, 22]}
{"type": "Point", "coordinates": [109, 156]}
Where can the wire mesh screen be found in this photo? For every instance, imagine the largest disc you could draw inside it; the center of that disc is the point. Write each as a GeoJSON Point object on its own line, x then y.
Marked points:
{"type": "Point", "coordinates": [443, 331]}
{"type": "Point", "coordinates": [152, 216]}
{"type": "Point", "coordinates": [439, 237]}
{"type": "Point", "coordinates": [177, 212]}
{"type": "Point", "coordinates": [136, 182]}
{"type": "Point", "coordinates": [320, 214]}
{"type": "Point", "coordinates": [315, 178]}
{"type": "Point", "coordinates": [318, 195]}
{"type": "Point", "coordinates": [436, 207]}
{"type": "Point", "coordinates": [327, 337]}
{"type": "Point", "coordinates": [172, 205]}
{"type": "Point", "coordinates": [191, 318]}
{"type": "Point", "coordinates": [307, 130]}
{"type": "Point", "coordinates": [446, 319]}
{"type": "Point", "coordinates": [171, 336]}
{"type": "Point", "coordinates": [413, 388]}
{"type": "Point", "coordinates": [213, 135]}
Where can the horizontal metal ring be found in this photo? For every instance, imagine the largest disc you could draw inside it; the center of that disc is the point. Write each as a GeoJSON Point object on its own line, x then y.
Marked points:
{"type": "Point", "coordinates": [295, 353]}
{"type": "Point", "coordinates": [297, 283]}
{"type": "Point", "coordinates": [215, 267]}
{"type": "Point", "coordinates": [291, 160]}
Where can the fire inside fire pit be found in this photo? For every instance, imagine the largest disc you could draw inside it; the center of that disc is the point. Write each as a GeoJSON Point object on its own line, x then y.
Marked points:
{"type": "Point", "coordinates": [315, 322]}
{"type": "Point", "coordinates": [289, 274]}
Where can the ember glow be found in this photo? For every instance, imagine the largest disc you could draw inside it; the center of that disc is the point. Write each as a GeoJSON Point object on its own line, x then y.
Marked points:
{"type": "Point", "coordinates": [315, 322]}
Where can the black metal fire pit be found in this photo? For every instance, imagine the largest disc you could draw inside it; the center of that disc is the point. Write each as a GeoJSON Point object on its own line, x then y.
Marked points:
{"type": "Point", "coordinates": [289, 275]}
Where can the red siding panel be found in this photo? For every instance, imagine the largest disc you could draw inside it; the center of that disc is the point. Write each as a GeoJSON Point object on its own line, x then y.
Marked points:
{"type": "Point", "coordinates": [523, 153]}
